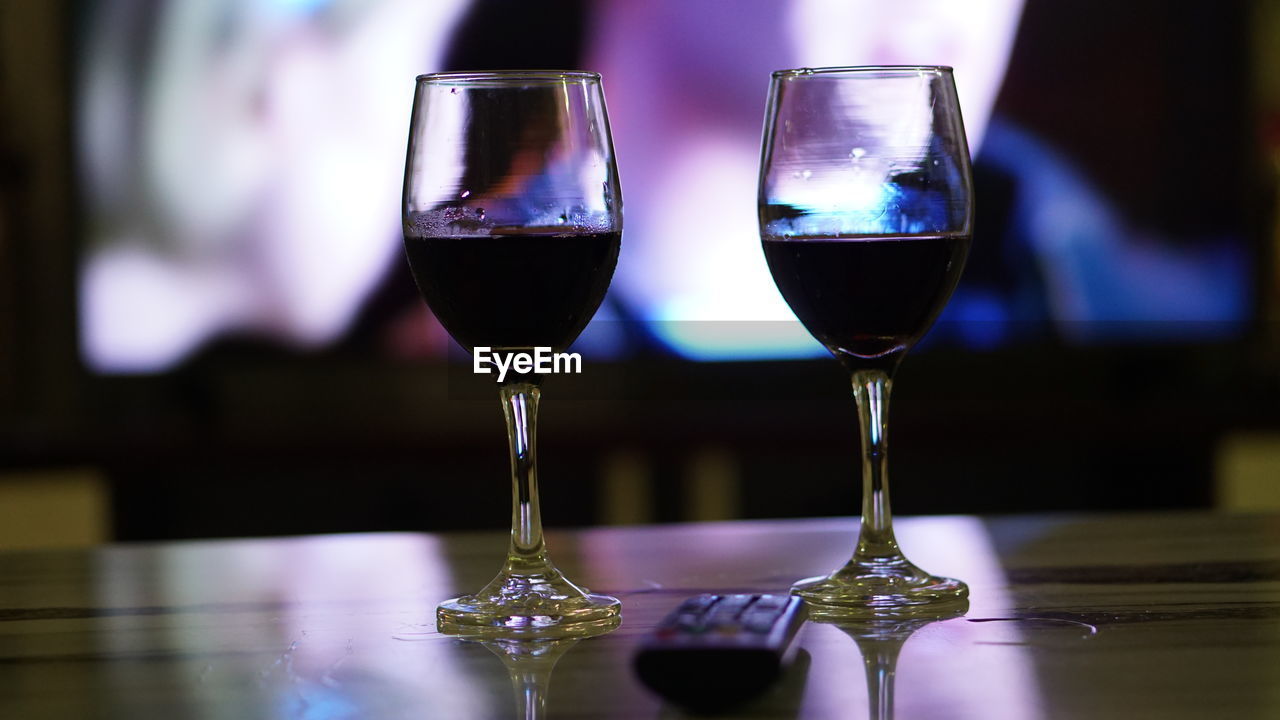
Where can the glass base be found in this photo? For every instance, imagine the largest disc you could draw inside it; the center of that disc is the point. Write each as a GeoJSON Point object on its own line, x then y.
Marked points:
{"type": "Point", "coordinates": [883, 588]}
{"type": "Point", "coordinates": [541, 605]}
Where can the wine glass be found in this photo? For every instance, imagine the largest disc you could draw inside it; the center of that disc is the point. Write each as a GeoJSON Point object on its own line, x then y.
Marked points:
{"type": "Point", "coordinates": [866, 215]}
{"type": "Point", "coordinates": [512, 226]}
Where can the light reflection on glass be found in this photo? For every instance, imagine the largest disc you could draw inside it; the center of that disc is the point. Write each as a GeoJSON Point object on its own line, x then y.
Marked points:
{"type": "Point", "coordinates": [689, 257]}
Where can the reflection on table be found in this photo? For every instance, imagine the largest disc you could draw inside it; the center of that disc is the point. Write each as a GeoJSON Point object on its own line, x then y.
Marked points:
{"type": "Point", "coordinates": [1169, 615]}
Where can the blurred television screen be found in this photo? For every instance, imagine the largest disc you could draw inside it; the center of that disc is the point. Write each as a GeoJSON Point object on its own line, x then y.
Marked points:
{"type": "Point", "coordinates": [240, 165]}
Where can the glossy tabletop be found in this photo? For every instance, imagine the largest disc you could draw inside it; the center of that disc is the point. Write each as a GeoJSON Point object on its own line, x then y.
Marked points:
{"type": "Point", "coordinates": [1124, 616]}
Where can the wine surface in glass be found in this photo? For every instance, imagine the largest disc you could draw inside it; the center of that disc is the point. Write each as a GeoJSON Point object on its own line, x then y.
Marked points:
{"type": "Point", "coordinates": [515, 289]}
{"type": "Point", "coordinates": [867, 298]}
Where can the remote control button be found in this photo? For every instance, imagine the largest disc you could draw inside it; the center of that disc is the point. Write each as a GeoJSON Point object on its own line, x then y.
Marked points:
{"type": "Point", "coordinates": [730, 607]}
{"type": "Point", "coordinates": [691, 622]}
{"type": "Point", "coordinates": [771, 602]}
{"type": "Point", "coordinates": [759, 622]}
{"type": "Point", "coordinates": [698, 605]}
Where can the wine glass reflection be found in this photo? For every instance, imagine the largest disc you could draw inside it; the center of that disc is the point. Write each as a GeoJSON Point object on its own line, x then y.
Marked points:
{"type": "Point", "coordinates": [529, 663]}
{"type": "Point", "coordinates": [880, 641]}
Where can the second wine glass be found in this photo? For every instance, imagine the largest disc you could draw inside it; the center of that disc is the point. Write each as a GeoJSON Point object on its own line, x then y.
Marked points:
{"type": "Point", "coordinates": [512, 226]}
{"type": "Point", "coordinates": [866, 215]}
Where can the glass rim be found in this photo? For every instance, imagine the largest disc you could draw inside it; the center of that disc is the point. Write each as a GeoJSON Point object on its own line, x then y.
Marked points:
{"type": "Point", "coordinates": [863, 70]}
{"type": "Point", "coordinates": [502, 77]}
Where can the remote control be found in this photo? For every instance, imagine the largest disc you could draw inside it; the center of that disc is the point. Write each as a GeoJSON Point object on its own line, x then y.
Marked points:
{"type": "Point", "coordinates": [715, 651]}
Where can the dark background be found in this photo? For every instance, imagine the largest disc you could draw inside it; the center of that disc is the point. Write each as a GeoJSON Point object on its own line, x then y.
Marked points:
{"type": "Point", "coordinates": [253, 440]}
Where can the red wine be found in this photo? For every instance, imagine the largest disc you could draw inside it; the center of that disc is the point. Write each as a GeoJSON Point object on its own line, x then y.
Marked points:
{"type": "Point", "coordinates": [525, 290]}
{"type": "Point", "coordinates": [867, 298]}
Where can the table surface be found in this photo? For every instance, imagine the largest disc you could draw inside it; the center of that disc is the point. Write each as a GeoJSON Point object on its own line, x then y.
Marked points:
{"type": "Point", "coordinates": [1128, 616]}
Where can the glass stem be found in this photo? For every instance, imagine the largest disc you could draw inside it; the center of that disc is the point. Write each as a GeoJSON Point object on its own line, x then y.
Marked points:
{"type": "Point", "coordinates": [531, 694]}
{"type": "Point", "coordinates": [876, 543]}
{"type": "Point", "coordinates": [880, 659]}
{"type": "Point", "coordinates": [528, 553]}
